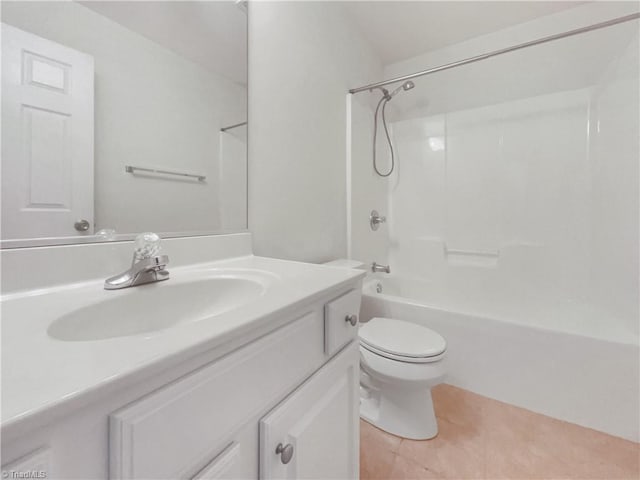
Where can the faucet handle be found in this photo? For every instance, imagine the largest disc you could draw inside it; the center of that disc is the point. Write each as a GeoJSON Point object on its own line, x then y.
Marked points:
{"type": "Point", "coordinates": [146, 245]}
{"type": "Point", "coordinates": [375, 219]}
{"type": "Point", "coordinates": [157, 263]}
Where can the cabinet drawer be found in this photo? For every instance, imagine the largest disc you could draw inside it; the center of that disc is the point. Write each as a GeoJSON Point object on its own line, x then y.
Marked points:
{"type": "Point", "coordinates": [173, 432]}
{"type": "Point", "coordinates": [338, 330]}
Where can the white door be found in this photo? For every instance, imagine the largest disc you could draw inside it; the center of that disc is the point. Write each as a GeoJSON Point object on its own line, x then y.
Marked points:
{"type": "Point", "coordinates": [47, 137]}
{"type": "Point", "coordinates": [314, 433]}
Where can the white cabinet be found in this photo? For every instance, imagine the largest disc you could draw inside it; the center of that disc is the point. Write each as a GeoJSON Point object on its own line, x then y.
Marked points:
{"type": "Point", "coordinates": [341, 321]}
{"type": "Point", "coordinates": [314, 432]}
{"type": "Point", "coordinates": [222, 415]}
{"type": "Point", "coordinates": [33, 465]}
{"type": "Point", "coordinates": [174, 431]}
{"type": "Point", "coordinates": [226, 465]}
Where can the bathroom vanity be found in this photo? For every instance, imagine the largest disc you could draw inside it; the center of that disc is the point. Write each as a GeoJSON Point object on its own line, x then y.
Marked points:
{"type": "Point", "coordinates": [250, 371]}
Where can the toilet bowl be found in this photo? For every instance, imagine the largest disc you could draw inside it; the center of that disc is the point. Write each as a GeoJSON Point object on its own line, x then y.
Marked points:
{"type": "Point", "coordinates": [400, 363]}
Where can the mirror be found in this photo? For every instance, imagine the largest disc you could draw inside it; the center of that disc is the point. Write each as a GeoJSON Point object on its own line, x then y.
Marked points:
{"type": "Point", "coordinates": [120, 117]}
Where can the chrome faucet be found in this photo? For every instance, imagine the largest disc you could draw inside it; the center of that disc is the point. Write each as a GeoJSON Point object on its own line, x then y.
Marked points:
{"type": "Point", "coordinates": [376, 267]}
{"type": "Point", "coordinates": [146, 266]}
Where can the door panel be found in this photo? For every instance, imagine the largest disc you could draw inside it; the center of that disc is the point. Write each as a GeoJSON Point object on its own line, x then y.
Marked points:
{"type": "Point", "coordinates": [47, 137]}
{"type": "Point", "coordinates": [320, 422]}
{"type": "Point", "coordinates": [227, 465]}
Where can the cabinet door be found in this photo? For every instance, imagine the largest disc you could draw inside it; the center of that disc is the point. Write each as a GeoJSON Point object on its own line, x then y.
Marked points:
{"type": "Point", "coordinates": [316, 426]}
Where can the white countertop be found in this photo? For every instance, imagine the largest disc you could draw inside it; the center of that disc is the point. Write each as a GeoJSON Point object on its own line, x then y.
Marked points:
{"type": "Point", "coordinates": [40, 373]}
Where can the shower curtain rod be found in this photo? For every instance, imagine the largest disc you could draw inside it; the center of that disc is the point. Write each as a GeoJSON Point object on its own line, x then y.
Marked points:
{"type": "Point", "coordinates": [224, 129]}
{"type": "Point", "coordinates": [477, 58]}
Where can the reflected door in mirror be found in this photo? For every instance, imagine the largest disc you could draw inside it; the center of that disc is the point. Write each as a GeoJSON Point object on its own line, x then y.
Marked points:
{"type": "Point", "coordinates": [47, 133]}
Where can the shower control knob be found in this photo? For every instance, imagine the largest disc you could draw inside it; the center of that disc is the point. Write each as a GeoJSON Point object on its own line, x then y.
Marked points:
{"type": "Point", "coordinates": [375, 220]}
{"type": "Point", "coordinates": [285, 452]}
{"type": "Point", "coordinates": [352, 319]}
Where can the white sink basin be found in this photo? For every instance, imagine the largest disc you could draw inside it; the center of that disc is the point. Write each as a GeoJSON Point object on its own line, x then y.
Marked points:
{"type": "Point", "coordinates": [157, 306]}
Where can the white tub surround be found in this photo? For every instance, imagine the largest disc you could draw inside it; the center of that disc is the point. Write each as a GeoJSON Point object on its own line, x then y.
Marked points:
{"type": "Point", "coordinates": [204, 388]}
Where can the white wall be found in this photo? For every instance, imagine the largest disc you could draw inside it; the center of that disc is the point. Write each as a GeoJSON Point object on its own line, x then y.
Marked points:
{"type": "Point", "coordinates": [303, 58]}
{"type": "Point", "coordinates": [152, 108]}
{"type": "Point", "coordinates": [579, 16]}
{"type": "Point", "coordinates": [233, 174]}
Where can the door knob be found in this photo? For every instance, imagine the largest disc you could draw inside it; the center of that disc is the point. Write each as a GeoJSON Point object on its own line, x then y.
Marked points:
{"type": "Point", "coordinates": [352, 319]}
{"type": "Point", "coordinates": [285, 452]}
{"type": "Point", "coordinates": [81, 225]}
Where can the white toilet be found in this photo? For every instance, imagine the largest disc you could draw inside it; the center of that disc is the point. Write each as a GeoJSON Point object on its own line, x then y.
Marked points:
{"type": "Point", "coordinates": [400, 362]}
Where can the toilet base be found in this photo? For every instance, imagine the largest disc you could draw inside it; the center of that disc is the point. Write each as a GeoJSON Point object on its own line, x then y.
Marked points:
{"type": "Point", "coordinates": [404, 412]}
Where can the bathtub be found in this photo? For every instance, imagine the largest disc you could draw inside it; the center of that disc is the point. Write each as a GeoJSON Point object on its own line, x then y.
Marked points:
{"type": "Point", "coordinates": [580, 378]}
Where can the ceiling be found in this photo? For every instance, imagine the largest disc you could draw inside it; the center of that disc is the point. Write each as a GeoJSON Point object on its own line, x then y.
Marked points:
{"type": "Point", "coordinates": [398, 30]}
{"type": "Point", "coordinates": [181, 26]}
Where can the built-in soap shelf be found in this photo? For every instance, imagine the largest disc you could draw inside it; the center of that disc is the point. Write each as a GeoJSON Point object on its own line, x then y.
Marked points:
{"type": "Point", "coordinates": [471, 258]}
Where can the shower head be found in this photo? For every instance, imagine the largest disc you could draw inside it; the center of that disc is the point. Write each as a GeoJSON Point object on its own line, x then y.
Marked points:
{"type": "Point", "coordinates": [408, 85]}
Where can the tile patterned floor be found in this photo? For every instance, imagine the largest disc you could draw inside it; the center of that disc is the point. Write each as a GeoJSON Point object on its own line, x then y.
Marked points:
{"type": "Point", "coordinates": [481, 438]}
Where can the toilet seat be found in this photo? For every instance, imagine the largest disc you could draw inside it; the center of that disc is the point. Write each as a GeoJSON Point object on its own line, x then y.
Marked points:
{"type": "Point", "coordinates": [399, 358]}
{"type": "Point", "coordinates": [402, 341]}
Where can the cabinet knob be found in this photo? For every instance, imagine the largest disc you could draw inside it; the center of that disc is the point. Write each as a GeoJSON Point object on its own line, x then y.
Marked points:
{"type": "Point", "coordinates": [82, 225]}
{"type": "Point", "coordinates": [352, 319]}
{"type": "Point", "coordinates": [285, 452]}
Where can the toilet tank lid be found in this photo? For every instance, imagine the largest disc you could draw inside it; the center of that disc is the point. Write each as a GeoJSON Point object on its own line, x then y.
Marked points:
{"type": "Point", "coordinates": [401, 338]}
{"type": "Point", "coordinates": [344, 263]}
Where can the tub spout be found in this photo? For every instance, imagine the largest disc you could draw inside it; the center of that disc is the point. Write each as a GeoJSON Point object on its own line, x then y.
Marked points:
{"type": "Point", "coordinates": [376, 267]}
